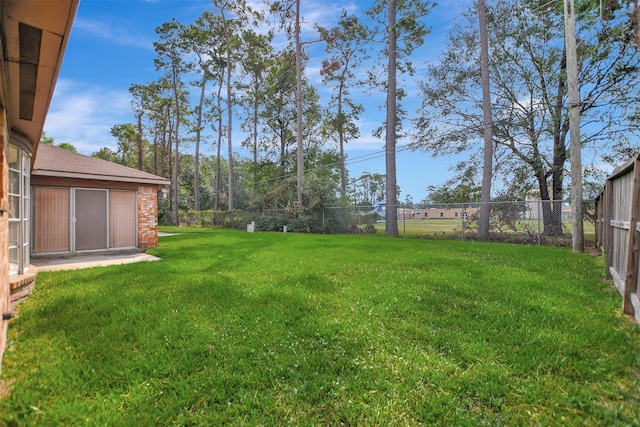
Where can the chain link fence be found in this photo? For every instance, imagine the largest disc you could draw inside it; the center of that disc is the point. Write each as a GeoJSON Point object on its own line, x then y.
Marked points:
{"type": "Point", "coordinates": [533, 221]}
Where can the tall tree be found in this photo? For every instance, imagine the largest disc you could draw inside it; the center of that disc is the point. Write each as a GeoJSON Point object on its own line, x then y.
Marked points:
{"type": "Point", "coordinates": [346, 47]}
{"type": "Point", "coordinates": [197, 38]}
{"type": "Point", "coordinates": [289, 11]}
{"type": "Point", "coordinates": [234, 14]}
{"type": "Point", "coordinates": [170, 51]}
{"type": "Point", "coordinates": [402, 31]}
{"type": "Point", "coordinates": [159, 111]}
{"type": "Point", "coordinates": [371, 188]}
{"type": "Point", "coordinates": [206, 39]}
{"type": "Point", "coordinates": [279, 113]}
{"type": "Point", "coordinates": [391, 225]}
{"type": "Point", "coordinates": [528, 79]}
{"type": "Point", "coordinates": [141, 95]}
{"type": "Point", "coordinates": [126, 136]}
{"type": "Point", "coordinates": [223, 5]}
{"type": "Point", "coordinates": [257, 54]}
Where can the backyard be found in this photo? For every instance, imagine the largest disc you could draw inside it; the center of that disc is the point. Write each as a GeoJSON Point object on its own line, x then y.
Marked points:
{"type": "Point", "coordinates": [272, 328]}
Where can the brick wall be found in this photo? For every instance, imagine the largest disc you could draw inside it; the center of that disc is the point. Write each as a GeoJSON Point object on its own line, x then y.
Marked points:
{"type": "Point", "coordinates": [4, 231]}
{"type": "Point", "coordinates": [147, 217]}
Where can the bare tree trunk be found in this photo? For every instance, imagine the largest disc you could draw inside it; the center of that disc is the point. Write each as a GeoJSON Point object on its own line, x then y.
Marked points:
{"type": "Point", "coordinates": [216, 202]}
{"type": "Point", "coordinates": [343, 168]}
{"type": "Point", "coordinates": [553, 222]}
{"type": "Point", "coordinates": [487, 172]}
{"type": "Point", "coordinates": [155, 153]}
{"type": "Point", "coordinates": [391, 225]}
{"type": "Point", "coordinates": [255, 145]}
{"type": "Point", "coordinates": [229, 120]}
{"type": "Point", "coordinates": [196, 159]}
{"type": "Point", "coordinates": [169, 164]}
{"type": "Point", "coordinates": [176, 170]}
{"type": "Point", "coordinates": [139, 141]}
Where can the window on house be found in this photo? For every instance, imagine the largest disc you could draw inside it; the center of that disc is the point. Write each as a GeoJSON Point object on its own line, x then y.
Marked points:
{"type": "Point", "coordinates": [441, 214]}
{"type": "Point", "coordinates": [456, 214]}
{"type": "Point", "coordinates": [19, 209]}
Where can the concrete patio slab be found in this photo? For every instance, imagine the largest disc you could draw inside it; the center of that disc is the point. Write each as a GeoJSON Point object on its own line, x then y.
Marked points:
{"type": "Point", "coordinates": [89, 261]}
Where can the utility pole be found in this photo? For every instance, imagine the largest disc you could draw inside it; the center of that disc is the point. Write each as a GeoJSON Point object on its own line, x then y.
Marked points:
{"type": "Point", "coordinates": [300, 148]}
{"type": "Point", "coordinates": [575, 149]}
{"type": "Point", "coordinates": [391, 225]}
{"type": "Point", "coordinates": [487, 172]}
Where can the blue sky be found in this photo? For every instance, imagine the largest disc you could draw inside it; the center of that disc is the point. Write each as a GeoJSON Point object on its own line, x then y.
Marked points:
{"type": "Point", "coordinates": [111, 48]}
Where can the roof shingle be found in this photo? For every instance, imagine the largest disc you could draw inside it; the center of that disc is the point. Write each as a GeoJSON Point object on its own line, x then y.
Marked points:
{"type": "Point", "coordinates": [56, 161]}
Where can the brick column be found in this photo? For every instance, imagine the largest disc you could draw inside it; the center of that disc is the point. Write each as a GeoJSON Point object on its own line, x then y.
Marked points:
{"type": "Point", "coordinates": [147, 217]}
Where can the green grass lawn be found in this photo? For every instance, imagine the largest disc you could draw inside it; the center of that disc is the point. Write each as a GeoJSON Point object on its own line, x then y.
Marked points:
{"type": "Point", "coordinates": [273, 328]}
{"type": "Point", "coordinates": [439, 227]}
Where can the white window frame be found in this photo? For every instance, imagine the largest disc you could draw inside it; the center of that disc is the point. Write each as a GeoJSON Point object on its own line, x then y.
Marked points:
{"type": "Point", "coordinates": [19, 210]}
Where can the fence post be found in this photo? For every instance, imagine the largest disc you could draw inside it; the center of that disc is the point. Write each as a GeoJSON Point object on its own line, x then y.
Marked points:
{"type": "Point", "coordinates": [462, 215]}
{"type": "Point", "coordinates": [633, 248]}
{"type": "Point", "coordinates": [608, 191]}
{"type": "Point", "coordinates": [404, 222]}
{"type": "Point", "coordinates": [539, 216]}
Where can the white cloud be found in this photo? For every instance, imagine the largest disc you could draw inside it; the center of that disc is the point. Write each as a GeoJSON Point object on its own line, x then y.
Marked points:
{"type": "Point", "coordinates": [83, 116]}
{"type": "Point", "coordinates": [121, 34]}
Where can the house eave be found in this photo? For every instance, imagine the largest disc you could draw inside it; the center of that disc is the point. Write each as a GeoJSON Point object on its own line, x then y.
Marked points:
{"type": "Point", "coordinates": [150, 181]}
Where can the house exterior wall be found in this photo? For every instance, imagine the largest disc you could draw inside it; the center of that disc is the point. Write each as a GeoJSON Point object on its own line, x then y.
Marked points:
{"type": "Point", "coordinates": [440, 213]}
{"type": "Point", "coordinates": [5, 289]}
{"type": "Point", "coordinates": [147, 205]}
{"type": "Point", "coordinates": [53, 181]}
{"type": "Point", "coordinates": [147, 217]}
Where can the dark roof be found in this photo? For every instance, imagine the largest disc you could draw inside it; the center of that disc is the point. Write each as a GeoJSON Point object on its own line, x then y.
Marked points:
{"type": "Point", "coordinates": [59, 162]}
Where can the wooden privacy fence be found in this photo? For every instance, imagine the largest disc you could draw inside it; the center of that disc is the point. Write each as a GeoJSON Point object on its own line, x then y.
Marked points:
{"type": "Point", "coordinates": [618, 231]}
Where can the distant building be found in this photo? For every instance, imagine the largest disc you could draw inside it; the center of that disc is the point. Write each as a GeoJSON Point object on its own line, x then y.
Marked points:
{"type": "Point", "coordinates": [535, 207]}
{"type": "Point", "coordinates": [453, 212]}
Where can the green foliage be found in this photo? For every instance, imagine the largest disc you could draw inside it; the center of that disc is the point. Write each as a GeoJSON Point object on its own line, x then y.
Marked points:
{"type": "Point", "coordinates": [528, 63]}
{"type": "Point", "coordinates": [209, 218]}
{"type": "Point", "coordinates": [125, 135]}
{"type": "Point", "coordinates": [105, 153]}
{"type": "Point", "coordinates": [274, 329]}
{"type": "Point", "coordinates": [48, 140]}
{"type": "Point", "coordinates": [68, 146]}
{"type": "Point", "coordinates": [462, 188]}
{"type": "Point", "coordinates": [278, 207]}
{"type": "Point", "coordinates": [461, 193]}
{"type": "Point", "coordinates": [368, 189]}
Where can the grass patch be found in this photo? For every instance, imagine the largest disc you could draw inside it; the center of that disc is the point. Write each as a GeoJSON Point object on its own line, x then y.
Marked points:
{"type": "Point", "coordinates": [446, 228]}
{"type": "Point", "coordinates": [273, 328]}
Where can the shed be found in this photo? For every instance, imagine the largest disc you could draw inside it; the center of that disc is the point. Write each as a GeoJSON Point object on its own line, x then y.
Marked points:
{"type": "Point", "coordinates": [83, 204]}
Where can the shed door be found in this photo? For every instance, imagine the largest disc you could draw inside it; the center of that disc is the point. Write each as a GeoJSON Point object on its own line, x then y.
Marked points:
{"type": "Point", "coordinates": [91, 220]}
{"type": "Point", "coordinates": [123, 228]}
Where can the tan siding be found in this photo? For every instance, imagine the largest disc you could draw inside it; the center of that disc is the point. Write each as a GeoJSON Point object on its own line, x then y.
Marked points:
{"type": "Point", "coordinates": [51, 220]}
{"type": "Point", "coordinates": [122, 219]}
